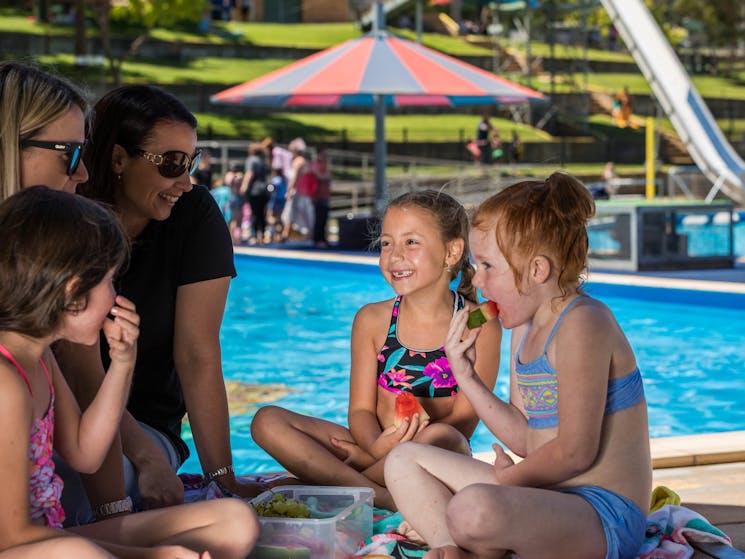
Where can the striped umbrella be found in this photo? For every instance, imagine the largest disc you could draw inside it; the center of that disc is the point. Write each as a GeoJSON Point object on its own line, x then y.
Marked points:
{"type": "Point", "coordinates": [377, 70]}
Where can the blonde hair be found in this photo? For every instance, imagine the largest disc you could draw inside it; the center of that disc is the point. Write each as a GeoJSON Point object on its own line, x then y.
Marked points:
{"type": "Point", "coordinates": [30, 100]}
{"type": "Point", "coordinates": [541, 217]}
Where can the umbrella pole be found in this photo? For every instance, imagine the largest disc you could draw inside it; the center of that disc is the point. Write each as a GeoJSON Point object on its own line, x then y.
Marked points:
{"type": "Point", "coordinates": [381, 188]}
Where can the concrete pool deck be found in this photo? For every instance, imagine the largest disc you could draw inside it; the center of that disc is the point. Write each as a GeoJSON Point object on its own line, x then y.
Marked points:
{"type": "Point", "coordinates": [706, 471]}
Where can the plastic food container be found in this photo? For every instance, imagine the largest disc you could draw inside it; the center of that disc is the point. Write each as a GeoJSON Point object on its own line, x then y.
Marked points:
{"type": "Point", "coordinates": [341, 518]}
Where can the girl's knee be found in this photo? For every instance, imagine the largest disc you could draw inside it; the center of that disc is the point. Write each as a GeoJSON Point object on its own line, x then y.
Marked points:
{"type": "Point", "coordinates": [401, 455]}
{"type": "Point", "coordinates": [238, 519]}
{"type": "Point", "coordinates": [62, 548]}
{"type": "Point", "coordinates": [265, 419]}
{"type": "Point", "coordinates": [446, 436]}
{"type": "Point", "coordinates": [475, 509]}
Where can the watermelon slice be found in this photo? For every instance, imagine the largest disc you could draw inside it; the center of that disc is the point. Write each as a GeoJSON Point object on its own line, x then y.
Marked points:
{"type": "Point", "coordinates": [482, 313]}
{"type": "Point", "coordinates": [406, 406]}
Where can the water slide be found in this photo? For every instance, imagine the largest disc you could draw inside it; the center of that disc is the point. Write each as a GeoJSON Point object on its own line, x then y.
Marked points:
{"type": "Point", "coordinates": [681, 102]}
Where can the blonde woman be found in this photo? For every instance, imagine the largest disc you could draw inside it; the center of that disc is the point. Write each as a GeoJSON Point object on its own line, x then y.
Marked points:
{"type": "Point", "coordinates": [42, 130]}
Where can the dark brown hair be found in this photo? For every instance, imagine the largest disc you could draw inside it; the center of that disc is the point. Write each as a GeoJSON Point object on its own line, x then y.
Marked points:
{"type": "Point", "coordinates": [55, 248]}
{"type": "Point", "coordinates": [541, 217]}
{"type": "Point", "coordinates": [451, 220]}
{"type": "Point", "coordinates": [126, 116]}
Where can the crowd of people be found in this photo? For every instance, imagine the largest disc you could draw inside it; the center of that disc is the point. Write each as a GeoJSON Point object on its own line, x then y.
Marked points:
{"type": "Point", "coordinates": [114, 271]}
{"type": "Point", "coordinates": [277, 194]}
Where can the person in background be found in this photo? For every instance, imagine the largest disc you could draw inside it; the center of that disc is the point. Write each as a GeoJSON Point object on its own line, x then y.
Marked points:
{"type": "Point", "coordinates": [516, 148]}
{"type": "Point", "coordinates": [203, 174]}
{"type": "Point", "coordinates": [577, 414]}
{"type": "Point", "coordinates": [223, 195]}
{"type": "Point", "coordinates": [484, 134]}
{"type": "Point", "coordinates": [280, 157]}
{"type": "Point", "coordinates": [321, 168]}
{"type": "Point", "coordinates": [255, 188]}
{"type": "Point", "coordinates": [423, 248]}
{"type": "Point", "coordinates": [610, 178]}
{"type": "Point", "coordinates": [62, 289]}
{"type": "Point", "coordinates": [301, 186]}
{"type": "Point", "coordinates": [143, 150]}
{"type": "Point", "coordinates": [234, 180]}
{"type": "Point", "coordinates": [277, 204]}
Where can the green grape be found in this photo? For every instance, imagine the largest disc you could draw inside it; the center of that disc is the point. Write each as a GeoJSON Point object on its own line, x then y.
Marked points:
{"type": "Point", "coordinates": [281, 506]}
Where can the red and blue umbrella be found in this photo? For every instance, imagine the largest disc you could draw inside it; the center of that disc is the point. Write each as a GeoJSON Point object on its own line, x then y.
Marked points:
{"type": "Point", "coordinates": [404, 73]}
{"type": "Point", "coordinates": [378, 70]}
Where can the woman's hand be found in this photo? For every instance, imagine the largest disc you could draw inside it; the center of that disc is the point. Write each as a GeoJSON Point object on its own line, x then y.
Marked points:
{"type": "Point", "coordinates": [460, 346]}
{"type": "Point", "coordinates": [240, 488]}
{"type": "Point", "coordinates": [122, 332]}
{"type": "Point", "coordinates": [159, 485]}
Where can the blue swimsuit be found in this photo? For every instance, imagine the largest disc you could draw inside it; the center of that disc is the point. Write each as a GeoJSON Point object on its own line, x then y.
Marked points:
{"type": "Point", "coordinates": [624, 524]}
{"type": "Point", "coordinates": [539, 387]}
{"type": "Point", "coordinates": [426, 374]}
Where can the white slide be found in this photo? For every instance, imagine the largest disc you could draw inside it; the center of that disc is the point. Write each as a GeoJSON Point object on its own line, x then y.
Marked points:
{"type": "Point", "coordinates": [682, 104]}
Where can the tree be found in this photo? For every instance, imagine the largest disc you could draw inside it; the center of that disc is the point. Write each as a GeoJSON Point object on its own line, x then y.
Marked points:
{"type": "Point", "coordinates": [142, 16]}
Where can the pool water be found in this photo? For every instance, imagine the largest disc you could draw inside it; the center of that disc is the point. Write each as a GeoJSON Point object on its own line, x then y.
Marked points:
{"type": "Point", "coordinates": [290, 321]}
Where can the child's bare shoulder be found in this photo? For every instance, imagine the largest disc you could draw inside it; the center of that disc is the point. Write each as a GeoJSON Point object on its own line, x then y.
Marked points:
{"type": "Point", "coordinates": [589, 318]}
{"type": "Point", "coordinates": [374, 313]}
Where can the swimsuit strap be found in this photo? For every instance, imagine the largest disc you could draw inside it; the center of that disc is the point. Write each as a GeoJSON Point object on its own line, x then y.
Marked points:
{"type": "Point", "coordinates": [458, 304]}
{"type": "Point", "coordinates": [9, 357]}
{"type": "Point", "coordinates": [558, 321]}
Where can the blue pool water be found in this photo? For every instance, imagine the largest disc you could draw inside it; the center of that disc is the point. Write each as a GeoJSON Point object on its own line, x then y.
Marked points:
{"type": "Point", "coordinates": [289, 322]}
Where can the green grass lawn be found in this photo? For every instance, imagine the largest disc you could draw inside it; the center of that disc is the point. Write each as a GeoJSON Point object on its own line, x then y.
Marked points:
{"type": "Point", "coordinates": [325, 127]}
{"type": "Point", "coordinates": [543, 50]}
{"type": "Point", "coordinates": [225, 71]}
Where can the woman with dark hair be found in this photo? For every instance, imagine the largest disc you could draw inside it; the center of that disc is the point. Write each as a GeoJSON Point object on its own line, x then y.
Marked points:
{"type": "Point", "coordinates": [143, 150]}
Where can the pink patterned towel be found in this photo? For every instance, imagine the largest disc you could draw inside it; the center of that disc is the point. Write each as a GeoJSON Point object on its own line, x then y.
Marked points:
{"type": "Point", "coordinates": [672, 528]}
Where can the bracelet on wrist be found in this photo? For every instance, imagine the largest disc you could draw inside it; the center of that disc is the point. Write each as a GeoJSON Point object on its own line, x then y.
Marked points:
{"type": "Point", "coordinates": [219, 472]}
{"type": "Point", "coordinates": [114, 507]}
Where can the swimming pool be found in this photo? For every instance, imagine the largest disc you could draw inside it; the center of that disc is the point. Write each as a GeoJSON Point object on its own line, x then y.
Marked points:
{"type": "Point", "coordinates": [289, 321]}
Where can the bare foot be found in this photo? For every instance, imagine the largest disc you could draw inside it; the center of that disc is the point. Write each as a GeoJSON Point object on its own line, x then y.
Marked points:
{"type": "Point", "coordinates": [410, 534]}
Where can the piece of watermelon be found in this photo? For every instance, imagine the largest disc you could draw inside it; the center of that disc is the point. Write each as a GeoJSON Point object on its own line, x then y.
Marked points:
{"type": "Point", "coordinates": [482, 313]}
{"type": "Point", "coordinates": [406, 406]}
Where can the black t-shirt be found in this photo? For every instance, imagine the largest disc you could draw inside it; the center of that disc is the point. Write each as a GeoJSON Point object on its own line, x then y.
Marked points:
{"type": "Point", "coordinates": [192, 245]}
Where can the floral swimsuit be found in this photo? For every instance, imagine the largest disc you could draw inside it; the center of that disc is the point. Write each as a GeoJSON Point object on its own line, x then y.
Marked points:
{"type": "Point", "coordinates": [426, 374]}
{"type": "Point", "coordinates": [45, 486]}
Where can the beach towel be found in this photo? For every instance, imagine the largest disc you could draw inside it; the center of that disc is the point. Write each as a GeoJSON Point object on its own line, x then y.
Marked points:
{"type": "Point", "coordinates": [672, 528]}
{"type": "Point", "coordinates": [196, 487]}
{"type": "Point", "coordinates": [386, 542]}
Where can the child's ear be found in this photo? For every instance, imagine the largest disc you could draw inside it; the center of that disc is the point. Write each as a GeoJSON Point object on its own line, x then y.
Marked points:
{"type": "Point", "coordinates": [454, 251]}
{"type": "Point", "coordinates": [540, 268]}
{"type": "Point", "coordinates": [72, 305]}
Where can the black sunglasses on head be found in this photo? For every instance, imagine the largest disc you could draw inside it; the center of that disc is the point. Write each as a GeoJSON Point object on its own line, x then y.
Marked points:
{"type": "Point", "coordinates": [74, 151]}
{"type": "Point", "coordinates": [172, 164]}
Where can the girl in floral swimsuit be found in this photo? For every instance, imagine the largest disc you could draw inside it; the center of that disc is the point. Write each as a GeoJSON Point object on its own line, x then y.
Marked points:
{"type": "Point", "coordinates": [58, 255]}
{"type": "Point", "coordinates": [397, 346]}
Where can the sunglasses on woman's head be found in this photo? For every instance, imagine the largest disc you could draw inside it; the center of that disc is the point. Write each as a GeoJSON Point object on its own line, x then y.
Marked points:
{"type": "Point", "coordinates": [172, 164]}
{"type": "Point", "coordinates": [74, 151]}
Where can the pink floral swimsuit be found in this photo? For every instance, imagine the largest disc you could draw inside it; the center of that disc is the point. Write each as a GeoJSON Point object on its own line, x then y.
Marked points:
{"type": "Point", "coordinates": [45, 486]}
{"type": "Point", "coordinates": [424, 373]}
